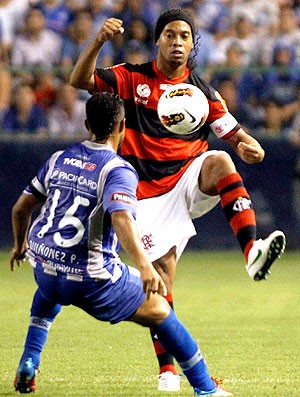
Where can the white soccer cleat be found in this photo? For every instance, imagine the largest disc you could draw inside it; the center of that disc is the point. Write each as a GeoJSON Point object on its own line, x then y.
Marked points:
{"type": "Point", "coordinates": [263, 253]}
{"type": "Point", "coordinates": [167, 381]}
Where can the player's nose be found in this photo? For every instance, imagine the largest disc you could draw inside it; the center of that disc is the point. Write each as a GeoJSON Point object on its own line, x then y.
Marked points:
{"type": "Point", "coordinates": [177, 41]}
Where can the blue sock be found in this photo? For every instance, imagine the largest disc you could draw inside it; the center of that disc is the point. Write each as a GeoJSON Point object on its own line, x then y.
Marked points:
{"type": "Point", "coordinates": [176, 339]}
{"type": "Point", "coordinates": [43, 313]}
{"type": "Point", "coordinates": [35, 340]}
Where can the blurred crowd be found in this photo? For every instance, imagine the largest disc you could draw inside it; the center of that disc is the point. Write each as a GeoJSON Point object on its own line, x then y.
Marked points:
{"type": "Point", "coordinates": [249, 50]}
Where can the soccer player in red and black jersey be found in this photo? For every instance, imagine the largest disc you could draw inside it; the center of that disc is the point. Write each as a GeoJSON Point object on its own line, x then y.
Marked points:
{"type": "Point", "coordinates": [179, 178]}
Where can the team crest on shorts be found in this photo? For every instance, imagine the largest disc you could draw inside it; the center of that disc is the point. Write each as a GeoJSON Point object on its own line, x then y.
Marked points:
{"type": "Point", "coordinates": [147, 241]}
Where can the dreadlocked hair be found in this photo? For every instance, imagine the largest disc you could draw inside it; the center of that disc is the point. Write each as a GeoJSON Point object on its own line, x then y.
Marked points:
{"type": "Point", "coordinates": [103, 111]}
{"type": "Point", "coordinates": [192, 61]}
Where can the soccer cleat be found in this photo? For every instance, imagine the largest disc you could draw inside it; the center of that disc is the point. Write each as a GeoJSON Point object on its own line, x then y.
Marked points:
{"type": "Point", "coordinates": [263, 253]}
{"type": "Point", "coordinates": [167, 381]}
{"type": "Point", "coordinates": [25, 377]}
{"type": "Point", "coordinates": [218, 391]}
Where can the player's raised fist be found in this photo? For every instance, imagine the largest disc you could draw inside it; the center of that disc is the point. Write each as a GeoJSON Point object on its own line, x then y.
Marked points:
{"type": "Point", "coordinates": [110, 29]}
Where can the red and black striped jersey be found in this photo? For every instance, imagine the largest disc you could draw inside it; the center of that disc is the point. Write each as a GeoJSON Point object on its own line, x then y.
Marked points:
{"type": "Point", "coordinates": [159, 156]}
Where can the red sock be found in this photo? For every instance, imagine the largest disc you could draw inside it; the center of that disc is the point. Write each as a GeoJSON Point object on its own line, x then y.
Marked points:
{"type": "Point", "coordinates": [237, 207]}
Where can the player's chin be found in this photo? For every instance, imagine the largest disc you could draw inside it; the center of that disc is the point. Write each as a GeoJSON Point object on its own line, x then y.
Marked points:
{"type": "Point", "coordinates": [175, 62]}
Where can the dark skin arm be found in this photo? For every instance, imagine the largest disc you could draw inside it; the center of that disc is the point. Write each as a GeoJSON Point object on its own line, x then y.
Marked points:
{"type": "Point", "coordinates": [82, 75]}
{"type": "Point", "coordinates": [246, 147]}
{"type": "Point", "coordinates": [21, 220]}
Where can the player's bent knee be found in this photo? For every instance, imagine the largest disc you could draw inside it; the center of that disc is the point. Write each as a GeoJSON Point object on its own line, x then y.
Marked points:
{"type": "Point", "coordinates": [221, 162]}
{"type": "Point", "coordinates": [220, 159]}
{"type": "Point", "coordinates": [152, 311]}
{"type": "Point", "coordinates": [161, 308]}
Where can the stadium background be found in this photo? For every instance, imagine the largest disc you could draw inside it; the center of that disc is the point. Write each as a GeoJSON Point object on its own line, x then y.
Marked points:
{"type": "Point", "coordinates": [248, 331]}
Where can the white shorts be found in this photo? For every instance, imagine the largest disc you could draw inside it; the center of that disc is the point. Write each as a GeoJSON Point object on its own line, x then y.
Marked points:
{"type": "Point", "coordinates": [166, 221]}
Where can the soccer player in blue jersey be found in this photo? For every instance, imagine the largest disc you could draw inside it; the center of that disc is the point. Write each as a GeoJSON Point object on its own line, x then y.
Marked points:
{"type": "Point", "coordinates": [89, 206]}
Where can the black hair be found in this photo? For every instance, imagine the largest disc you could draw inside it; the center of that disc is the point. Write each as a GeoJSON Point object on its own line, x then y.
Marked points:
{"type": "Point", "coordinates": [174, 14]}
{"type": "Point", "coordinates": [103, 111]}
{"type": "Point", "coordinates": [192, 61]}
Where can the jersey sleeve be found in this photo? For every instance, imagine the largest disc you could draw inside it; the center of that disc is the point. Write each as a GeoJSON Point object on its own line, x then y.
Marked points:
{"type": "Point", "coordinates": [120, 190]}
{"type": "Point", "coordinates": [221, 121]}
{"type": "Point", "coordinates": [39, 184]}
{"type": "Point", "coordinates": [115, 79]}
{"type": "Point", "coordinates": [105, 80]}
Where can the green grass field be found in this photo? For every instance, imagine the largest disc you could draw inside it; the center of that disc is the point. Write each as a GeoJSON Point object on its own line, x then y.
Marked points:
{"type": "Point", "coordinates": [248, 331]}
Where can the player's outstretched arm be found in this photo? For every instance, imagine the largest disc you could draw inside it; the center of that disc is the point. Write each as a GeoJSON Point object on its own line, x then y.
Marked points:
{"type": "Point", "coordinates": [126, 230]}
{"type": "Point", "coordinates": [82, 75]}
{"type": "Point", "coordinates": [246, 147]}
{"type": "Point", "coordinates": [21, 220]}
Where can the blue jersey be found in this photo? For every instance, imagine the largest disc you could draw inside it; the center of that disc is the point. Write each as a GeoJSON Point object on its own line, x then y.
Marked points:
{"type": "Point", "coordinates": [73, 234]}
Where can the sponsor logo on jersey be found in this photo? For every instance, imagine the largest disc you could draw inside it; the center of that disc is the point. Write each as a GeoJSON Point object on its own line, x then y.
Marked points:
{"type": "Point", "coordinates": [123, 197]}
{"type": "Point", "coordinates": [72, 178]}
{"type": "Point", "coordinates": [90, 166]}
{"type": "Point", "coordinates": [80, 164]}
{"type": "Point", "coordinates": [143, 91]}
{"type": "Point", "coordinates": [181, 92]}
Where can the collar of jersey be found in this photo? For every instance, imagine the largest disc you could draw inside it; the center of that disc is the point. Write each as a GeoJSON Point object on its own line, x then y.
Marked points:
{"type": "Point", "coordinates": [97, 146]}
{"type": "Point", "coordinates": [163, 77]}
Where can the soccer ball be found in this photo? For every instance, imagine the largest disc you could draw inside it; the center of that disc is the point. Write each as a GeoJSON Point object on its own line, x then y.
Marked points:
{"type": "Point", "coordinates": [182, 108]}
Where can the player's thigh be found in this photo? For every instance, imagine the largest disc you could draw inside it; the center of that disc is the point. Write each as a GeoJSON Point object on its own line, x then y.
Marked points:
{"type": "Point", "coordinates": [166, 267]}
{"type": "Point", "coordinates": [113, 301]}
{"type": "Point", "coordinates": [164, 222]}
{"type": "Point", "coordinates": [197, 201]}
